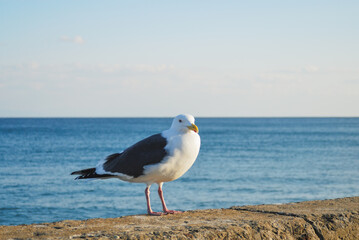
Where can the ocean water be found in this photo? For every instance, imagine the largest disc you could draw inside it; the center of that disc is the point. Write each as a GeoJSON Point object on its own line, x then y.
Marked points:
{"type": "Point", "coordinates": [242, 161]}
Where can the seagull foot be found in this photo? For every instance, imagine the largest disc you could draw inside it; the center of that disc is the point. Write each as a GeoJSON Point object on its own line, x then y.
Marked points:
{"type": "Point", "coordinates": [155, 213]}
{"type": "Point", "coordinates": [172, 212]}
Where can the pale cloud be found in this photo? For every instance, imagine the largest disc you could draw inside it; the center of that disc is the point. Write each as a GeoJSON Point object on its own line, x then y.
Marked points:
{"type": "Point", "coordinates": [277, 77]}
{"type": "Point", "coordinates": [151, 68]}
{"type": "Point", "coordinates": [96, 76]}
{"type": "Point", "coordinates": [310, 69]}
{"type": "Point", "coordinates": [76, 39]}
{"type": "Point", "coordinates": [295, 74]}
{"type": "Point", "coordinates": [79, 40]}
{"type": "Point", "coordinates": [296, 70]}
{"type": "Point", "coordinates": [34, 65]}
{"type": "Point", "coordinates": [164, 89]}
{"type": "Point", "coordinates": [138, 68]}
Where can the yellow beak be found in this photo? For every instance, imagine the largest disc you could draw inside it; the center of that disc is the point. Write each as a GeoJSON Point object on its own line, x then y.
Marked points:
{"type": "Point", "coordinates": [193, 127]}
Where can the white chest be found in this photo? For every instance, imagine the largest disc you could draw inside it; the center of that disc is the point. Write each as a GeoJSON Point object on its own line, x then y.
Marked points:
{"type": "Point", "coordinates": [183, 150]}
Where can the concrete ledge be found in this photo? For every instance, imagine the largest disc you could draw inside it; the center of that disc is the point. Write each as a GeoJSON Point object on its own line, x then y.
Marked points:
{"type": "Point", "coordinates": [328, 219]}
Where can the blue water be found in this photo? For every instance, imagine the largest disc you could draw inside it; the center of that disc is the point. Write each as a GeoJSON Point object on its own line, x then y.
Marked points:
{"type": "Point", "coordinates": [242, 161]}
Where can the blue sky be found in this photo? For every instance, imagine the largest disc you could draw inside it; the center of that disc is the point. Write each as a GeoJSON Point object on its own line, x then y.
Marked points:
{"type": "Point", "coordinates": [161, 58]}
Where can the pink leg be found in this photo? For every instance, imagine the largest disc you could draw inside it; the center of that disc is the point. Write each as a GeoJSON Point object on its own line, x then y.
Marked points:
{"type": "Point", "coordinates": [165, 209]}
{"type": "Point", "coordinates": [149, 210]}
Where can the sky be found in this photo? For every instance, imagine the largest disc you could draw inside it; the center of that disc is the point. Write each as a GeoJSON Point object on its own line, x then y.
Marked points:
{"type": "Point", "coordinates": [161, 58]}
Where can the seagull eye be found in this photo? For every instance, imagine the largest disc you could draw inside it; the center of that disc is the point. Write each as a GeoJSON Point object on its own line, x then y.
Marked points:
{"type": "Point", "coordinates": [180, 120]}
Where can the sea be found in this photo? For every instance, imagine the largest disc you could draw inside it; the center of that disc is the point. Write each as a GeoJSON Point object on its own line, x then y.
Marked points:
{"type": "Point", "coordinates": [242, 161]}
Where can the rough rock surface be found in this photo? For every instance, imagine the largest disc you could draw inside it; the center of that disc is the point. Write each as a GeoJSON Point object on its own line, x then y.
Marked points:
{"type": "Point", "coordinates": [328, 219]}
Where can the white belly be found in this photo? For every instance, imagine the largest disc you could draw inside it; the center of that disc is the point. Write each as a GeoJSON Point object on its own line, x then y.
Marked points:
{"type": "Point", "coordinates": [183, 151]}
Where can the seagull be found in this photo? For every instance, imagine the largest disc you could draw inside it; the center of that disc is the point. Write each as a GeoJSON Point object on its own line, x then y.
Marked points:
{"type": "Point", "coordinates": [160, 158]}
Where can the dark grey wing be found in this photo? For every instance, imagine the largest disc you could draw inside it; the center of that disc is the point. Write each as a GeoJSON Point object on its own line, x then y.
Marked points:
{"type": "Point", "coordinates": [150, 150]}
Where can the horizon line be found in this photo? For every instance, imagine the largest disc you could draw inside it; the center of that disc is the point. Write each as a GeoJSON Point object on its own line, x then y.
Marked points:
{"type": "Point", "coordinates": [79, 117]}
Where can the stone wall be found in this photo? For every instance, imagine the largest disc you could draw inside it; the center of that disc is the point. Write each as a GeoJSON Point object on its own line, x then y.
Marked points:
{"type": "Point", "coordinates": [328, 219]}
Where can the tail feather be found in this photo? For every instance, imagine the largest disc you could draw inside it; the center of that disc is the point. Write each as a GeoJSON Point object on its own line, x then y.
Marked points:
{"type": "Point", "coordinates": [89, 173]}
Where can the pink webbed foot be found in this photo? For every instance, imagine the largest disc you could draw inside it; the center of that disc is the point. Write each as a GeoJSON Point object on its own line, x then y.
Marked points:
{"type": "Point", "coordinates": [172, 212]}
{"type": "Point", "coordinates": [155, 213]}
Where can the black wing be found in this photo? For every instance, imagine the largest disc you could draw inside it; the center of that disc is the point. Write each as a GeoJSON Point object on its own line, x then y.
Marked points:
{"type": "Point", "coordinates": [150, 150]}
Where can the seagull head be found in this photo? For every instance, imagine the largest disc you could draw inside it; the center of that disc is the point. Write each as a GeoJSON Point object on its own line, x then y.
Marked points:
{"type": "Point", "coordinates": [184, 123]}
